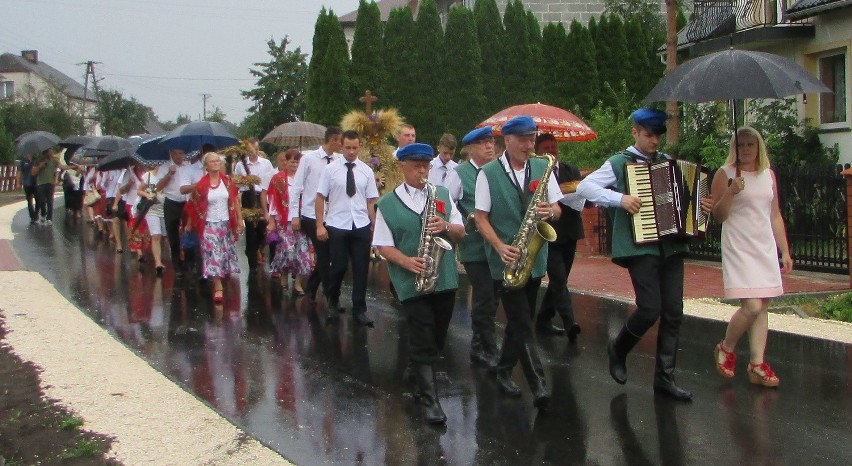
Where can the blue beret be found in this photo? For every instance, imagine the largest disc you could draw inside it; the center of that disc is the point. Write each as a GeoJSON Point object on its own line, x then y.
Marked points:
{"type": "Point", "coordinates": [416, 151]}
{"type": "Point", "coordinates": [520, 125]}
{"type": "Point", "coordinates": [651, 119]}
{"type": "Point", "coordinates": [477, 134]}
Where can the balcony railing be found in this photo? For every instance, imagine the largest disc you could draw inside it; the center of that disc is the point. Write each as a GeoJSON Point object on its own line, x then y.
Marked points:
{"type": "Point", "coordinates": [714, 18]}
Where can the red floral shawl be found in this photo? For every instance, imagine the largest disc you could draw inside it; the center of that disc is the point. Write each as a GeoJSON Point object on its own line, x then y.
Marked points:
{"type": "Point", "coordinates": [196, 208]}
{"type": "Point", "coordinates": [277, 194]}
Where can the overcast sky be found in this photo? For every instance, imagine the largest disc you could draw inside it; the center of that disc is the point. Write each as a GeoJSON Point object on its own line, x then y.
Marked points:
{"type": "Point", "coordinates": [165, 53]}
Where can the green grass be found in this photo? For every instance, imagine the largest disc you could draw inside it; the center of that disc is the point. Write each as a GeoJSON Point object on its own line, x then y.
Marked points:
{"type": "Point", "coordinates": [831, 306]}
{"type": "Point", "coordinates": [70, 422]}
{"type": "Point", "coordinates": [83, 449]}
{"type": "Point", "coordinates": [16, 416]}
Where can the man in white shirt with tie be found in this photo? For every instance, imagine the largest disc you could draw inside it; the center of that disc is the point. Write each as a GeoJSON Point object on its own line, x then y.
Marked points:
{"type": "Point", "coordinates": [443, 164]}
{"type": "Point", "coordinates": [303, 193]}
{"type": "Point", "coordinates": [348, 188]}
{"type": "Point", "coordinates": [255, 232]}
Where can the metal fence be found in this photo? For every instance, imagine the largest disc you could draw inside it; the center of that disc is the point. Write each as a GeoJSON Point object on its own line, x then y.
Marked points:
{"type": "Point", "coordinates": [814, 210]}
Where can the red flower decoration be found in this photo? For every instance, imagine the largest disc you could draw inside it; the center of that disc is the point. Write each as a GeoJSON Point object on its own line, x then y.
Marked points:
{"type": "Point", "coordinates": [533, 186]}
{"type": "Point", "coordinates": [440, 207]}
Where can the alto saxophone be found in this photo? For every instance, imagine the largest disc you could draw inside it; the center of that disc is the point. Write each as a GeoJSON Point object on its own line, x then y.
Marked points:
{"type": "Point", "coordinates": [431, 248]}
{"type": "Point", "coordinates": [532, 233]}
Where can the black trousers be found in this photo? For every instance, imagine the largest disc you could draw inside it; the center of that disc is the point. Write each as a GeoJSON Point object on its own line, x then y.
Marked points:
{"type": "Point", "coordinates": [345, 246]}
{"type": "Point", "coordinates": [32, 201]}
{"type": "Point", "coordinates": [483, 306]}
{"type": "Point", "coordinates": [44, 200]}
{"type": "Point", "coordinates": [557, 298]}
{"type": "Point", "coordinates": [658, 285]}
{"type": "Point", "coordinates": [428, 318]}
{"type": "Point", "coordinates": [255, 233]}
{"type": "Point", "coordinates": [172, 210]}
{"type": "Point", "coordinates": [322, 255]}
{"type": "Point", "coordinates": [519, 306]}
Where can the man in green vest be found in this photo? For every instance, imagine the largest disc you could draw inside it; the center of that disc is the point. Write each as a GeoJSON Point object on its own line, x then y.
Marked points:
{"type": "Point", "coordinates": [461, 183]}
{"type": "Point", "coordinates": [656, 269]}
{"type": "Point", "coordinates": [397, 235]}
{"type": "Point", "coordinates": [505, 189]}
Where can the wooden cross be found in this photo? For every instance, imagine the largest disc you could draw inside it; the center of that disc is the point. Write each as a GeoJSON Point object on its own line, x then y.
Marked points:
{"type": "Point", "coordinates": [368, 100]}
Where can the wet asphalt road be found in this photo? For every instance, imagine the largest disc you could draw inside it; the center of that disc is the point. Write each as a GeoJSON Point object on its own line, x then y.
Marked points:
{"type": "Point", "coordinates": [332, 394]}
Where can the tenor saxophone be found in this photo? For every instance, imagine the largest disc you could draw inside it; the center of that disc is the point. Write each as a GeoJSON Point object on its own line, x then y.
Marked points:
{"type": "Point", "coordinates": [532, 233]}
{"type": "Point", "coordinates": [431, 247]}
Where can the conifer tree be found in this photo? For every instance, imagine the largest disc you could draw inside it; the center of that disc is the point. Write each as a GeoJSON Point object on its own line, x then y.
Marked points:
{"type": "Point", "coordinates": [320, 44]}
{"type": "Point", "coordinates": [333, 77]}
{"type": "Point", "coordinates": [368, 70]}
{"type": "Point", "coordinates": [489, 28]}
{"type": "Point", "coordinates": [536, 60]}
{"type": "Point", "coordinates": [556, 89]}
{"type": "Point", "coordinates": [399, 73]}
{"type": "Point", "coordinates": [638, 73]}
{"type": "Point", "coordinates": [464, 98]}
{"type": "Point", "coordinates": [582, 73]}
{"type": "Point", "coordinates": [517, 55]}
{"type": "Point", "coordinates": [426, 114]}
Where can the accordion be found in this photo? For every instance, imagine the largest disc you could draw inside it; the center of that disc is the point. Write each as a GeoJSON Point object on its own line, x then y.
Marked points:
{"type": "Point", "coordinates": [671, 192]}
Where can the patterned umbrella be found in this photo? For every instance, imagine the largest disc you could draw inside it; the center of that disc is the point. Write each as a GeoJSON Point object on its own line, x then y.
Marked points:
{"type": "Point", "coordinates": [296, 134]}
{"type": "Point", "coordinates": [562, 124]}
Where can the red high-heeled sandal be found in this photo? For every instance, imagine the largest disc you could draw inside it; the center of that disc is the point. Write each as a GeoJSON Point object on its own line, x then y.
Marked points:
{"type": "Point", "coordinates": [218, 297]}
{"type": "Point", "coordinates": [762, 374]}
{"type": "Point", "coordinates": [726, 362]}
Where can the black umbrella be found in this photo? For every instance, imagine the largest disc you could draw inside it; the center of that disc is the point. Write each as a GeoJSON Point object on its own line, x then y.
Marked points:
{"type": "Point", "coordinates": [119, 159]}
{"type": "Point", "coordinates": [35, 142]}
{"type": "Point", "coordinates": [735, 74]}
{"type": "Point", "coordinates": [102, 146]}
{"type": "Point", "coordinates": [192, 136]}
{"type": "Point", "coordinates": [71, 144]}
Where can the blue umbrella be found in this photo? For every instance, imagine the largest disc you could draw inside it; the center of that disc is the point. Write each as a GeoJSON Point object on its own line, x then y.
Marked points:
{"type": "Point", "coordinates": [192, 136]}
{"type": "Point", "coordinates": [151, 151]}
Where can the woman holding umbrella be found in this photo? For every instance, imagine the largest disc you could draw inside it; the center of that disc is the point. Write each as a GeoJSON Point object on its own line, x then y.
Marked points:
{"type": "Point", "coordinates": [214, 212]}
{"type": "Point", "coordinates": [154, 217]}
{"type": "Point", "coordinates": [746, 202]}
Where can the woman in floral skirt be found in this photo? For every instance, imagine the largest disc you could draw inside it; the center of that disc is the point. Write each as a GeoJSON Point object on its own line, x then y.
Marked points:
{"type": "Point", "coordinates": [293, 254]}
{"type": "Point", "coordinates": [214, 210]}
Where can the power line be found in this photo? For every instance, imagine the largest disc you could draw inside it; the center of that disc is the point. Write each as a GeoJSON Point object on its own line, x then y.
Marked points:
{"type": "Point", "coordinates": [177, 78]}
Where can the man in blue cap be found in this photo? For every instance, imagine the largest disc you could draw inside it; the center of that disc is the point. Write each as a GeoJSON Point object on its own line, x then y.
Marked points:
{"type": "Point", "coordinates": [397, 235]}
{"type": "Point", "coordinates": [656, 269]}
{"type": "Point", "coordinates": [505, 189]}
{"type": "Point", "coordinates": [461, 183]}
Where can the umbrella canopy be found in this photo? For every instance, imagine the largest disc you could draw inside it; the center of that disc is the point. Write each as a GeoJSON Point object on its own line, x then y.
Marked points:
{"type": "Point", "coordinates": [103, 146]}
{"type": "Point", "coordinates": [735, 74]}
{"type": "Point", "coordinates": [562, 124]}
{"type": "Point", "coordinates": [119, 159]}
{"type": "Point", "coordinates": [35, 142]}
{"type": "Point", "coordinates": [71, 144]}
{"type": "Point", "coordinates": [191, 136]}
{"type": "Point", "coordinates": [151, 152]}
{"type": "Point", "coordinates": [296, 134]}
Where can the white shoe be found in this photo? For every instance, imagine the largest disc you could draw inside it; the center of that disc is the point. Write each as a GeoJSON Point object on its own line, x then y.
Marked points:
{"type": "Point", "coordinates": [48, 222]}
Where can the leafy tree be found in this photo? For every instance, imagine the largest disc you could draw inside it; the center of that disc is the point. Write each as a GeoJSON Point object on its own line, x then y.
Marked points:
{"type": "Point", "coordinates": [582, 75]}
{"type": "Point", "coordinates": [7, 146]}
{"type": "Point", "coordinates": [465, 102]}
{"type": "Point", "coordinates": [216, 115]}
{"type": "Point", "coordinates": [180, 120]}
{"type": "Point", "coordinates": [120, 116]}
{"type": "Point", "coordinates": [368, 70]}
{"type": "Point", "coordinates": [536, 60]}
{"type": "Point", "coordinates": [518, 55]}
{"type": "Point", "coordinates": [332, 78]}
{"type": "Point", "coordinates": [557, 88]}
{"type": "Point", "coordinates": [48, 110]}
{"type": "Point", "coordinates": [279, 95]}
{"type": "Point", "coordinates": [400, 75]}
{"type": "Point", "coordinates": [646, 11]}
{"type": "Point", "coordinates": [489, 29]}
{"type": "Point", "coordinates": [321, 39]}
{"type": "Point", "coordinates": [612, 125]}
{"type": "Point", "coordinates": [612, 56]}
{"type": "Point", "coordinates": [426, 115]}
{"type": "Point", "coordinates": [637, 68]}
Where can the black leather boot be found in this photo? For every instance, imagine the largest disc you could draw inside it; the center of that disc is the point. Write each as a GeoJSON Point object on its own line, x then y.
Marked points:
{"type": "Point", "coordinates": [481, 354]}
{"type": "Point", "coordinates": [664, 382]}
{"type": "Point", "coordinates": [430, 406]}
{"type": "Point", "coordinates": [508, 359]}
{"type": "Point", "coordinates": [617, 350]}
{"type": "Point", "coordinates": [534, 372]}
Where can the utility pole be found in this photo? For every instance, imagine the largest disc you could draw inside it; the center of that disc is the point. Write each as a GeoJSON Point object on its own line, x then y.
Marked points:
{"type": "Point", "coordinates": [90, 70]}
{"type": "Point", "coordinates": [204, 97]}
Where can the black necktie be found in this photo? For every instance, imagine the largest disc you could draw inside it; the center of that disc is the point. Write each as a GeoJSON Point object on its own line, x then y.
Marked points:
{"type": "Point", "coordinates": [350, 179]}
{"type": "Point", "coordinates": [327, 159]}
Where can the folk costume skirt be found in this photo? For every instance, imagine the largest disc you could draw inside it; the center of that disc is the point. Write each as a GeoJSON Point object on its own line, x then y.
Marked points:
{"type": "Point", "coordinates": [218, 251]}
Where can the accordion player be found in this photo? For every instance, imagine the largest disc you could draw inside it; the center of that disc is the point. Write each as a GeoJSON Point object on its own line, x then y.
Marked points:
{"type": "Point", "coordinates": [671, 192]}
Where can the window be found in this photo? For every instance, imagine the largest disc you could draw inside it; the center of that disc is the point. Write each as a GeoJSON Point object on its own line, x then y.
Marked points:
{"type": "Point", "coordinates": [832, 72]}
{"type": "Point", "coordinates": [7, 88]}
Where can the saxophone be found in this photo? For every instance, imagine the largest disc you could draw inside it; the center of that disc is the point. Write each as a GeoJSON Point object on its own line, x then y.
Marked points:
{"type": "Point", "coordinates": [532, 233]}
{"type": "Point", "coordinates": [431, 248]}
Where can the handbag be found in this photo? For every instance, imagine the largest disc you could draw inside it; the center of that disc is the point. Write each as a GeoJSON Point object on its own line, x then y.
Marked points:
{"type": "Point", "coordinates": [273, 237]}
{"type": "Point", "coordinates": [92, 197]}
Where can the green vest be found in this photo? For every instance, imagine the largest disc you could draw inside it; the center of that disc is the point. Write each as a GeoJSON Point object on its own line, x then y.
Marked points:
{"type": "Point", "coordinates": [622, 230]}
{"type": "Point", "coordinates": [405, 226]}
{"type": "Point", "coordinates": [472, 247]}
{"type": "Point", "coordinates": [507, 211]}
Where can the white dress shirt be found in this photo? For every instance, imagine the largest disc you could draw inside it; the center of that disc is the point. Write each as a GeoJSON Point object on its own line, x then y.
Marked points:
{"type": "Point", "coordinates": [482, 199]}
{"type": "Point", "coordinates": [414, 199]}
{"type": "Point", "coordinates": [342, 210]}
{"type": "Point", "coordinates": [598, 186]}
{"type": "Point", "coordinates": [110, 181]}
{"type": "Point", "coordinates": [262, 168]}
{"type": "Point", "coordinates": [305, 182]}
{"type": "Point", "coordinates": [439, 171]}
{"type": "Point", "coordinates": [172, 189]}
{"type": "Point", "coordinates": [192, 174]}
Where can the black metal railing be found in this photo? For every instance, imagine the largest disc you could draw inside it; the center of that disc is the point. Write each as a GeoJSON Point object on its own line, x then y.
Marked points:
{"type": "Point", "coordinates": [716, 18]}
{"type": "Point", "coordinates": [709, 18]}
{"type": "Point", "coordinates": [814, 209]}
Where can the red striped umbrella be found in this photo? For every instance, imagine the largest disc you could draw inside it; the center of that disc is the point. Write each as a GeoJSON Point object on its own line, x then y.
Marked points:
{"type": "Point", "coordinates": [564, 125]}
